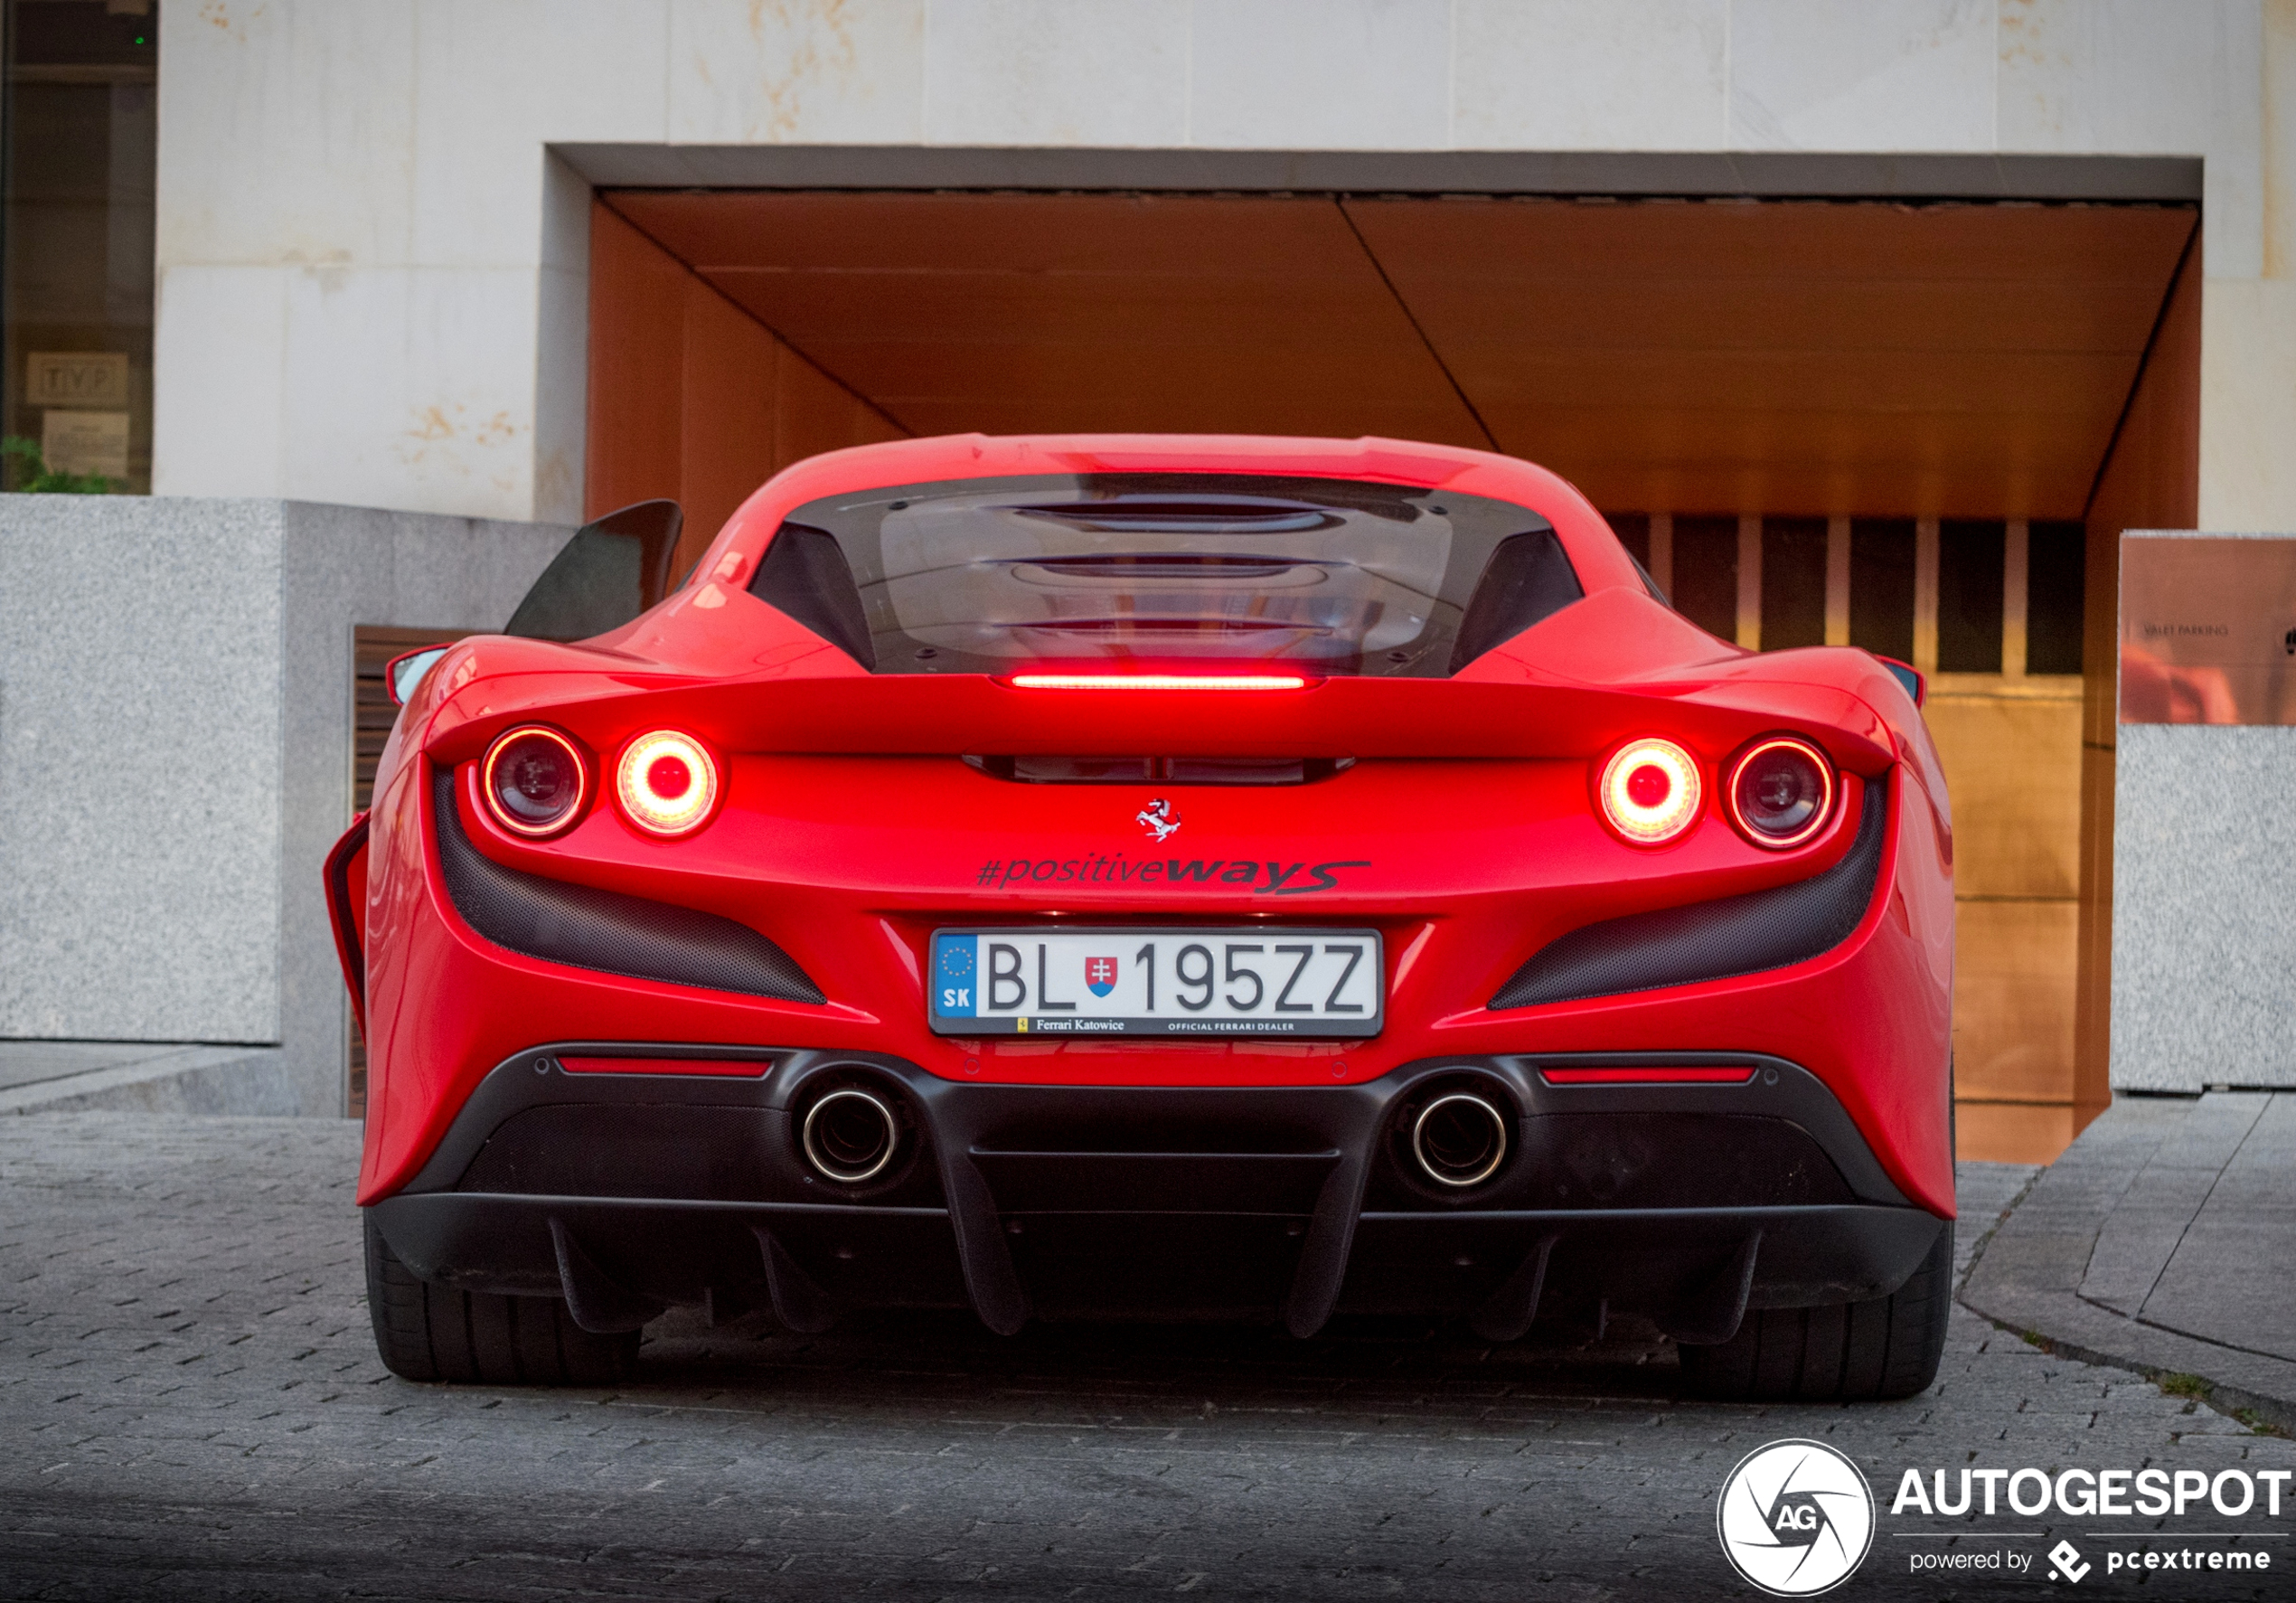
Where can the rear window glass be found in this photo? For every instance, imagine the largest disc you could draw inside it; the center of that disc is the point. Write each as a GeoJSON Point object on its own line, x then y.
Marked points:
{"type": "Point", "coordinates": [1101, 570]}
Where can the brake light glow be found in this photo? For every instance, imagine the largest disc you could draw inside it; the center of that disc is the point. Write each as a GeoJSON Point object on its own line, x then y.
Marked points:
{"type": "Point", "coordinates": [752, 1067]}
{"type": "Point", "coordinates": [1651, 791]}
{"type": "Point", "coordinates": [1664, 1076]}
{"type": "Point", "coordinates": [534, 780]}
{"type": "Point", "coordinates": [667, 783]}
{"type": "Point", "coordinates": [1159, 681]}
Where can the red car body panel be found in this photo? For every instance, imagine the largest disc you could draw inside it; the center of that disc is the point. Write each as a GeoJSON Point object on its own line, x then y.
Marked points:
{"type": "Point", "coordinates": [1466, 830]}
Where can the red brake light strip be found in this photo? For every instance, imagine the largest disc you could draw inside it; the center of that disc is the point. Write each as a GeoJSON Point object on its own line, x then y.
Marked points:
{"type": "Point", "coordinates": [1669, 1075]}
{"type": "Point", "coordinates": [751, 1068]}
{"type": "Point", "coordinates": [1159, 681]}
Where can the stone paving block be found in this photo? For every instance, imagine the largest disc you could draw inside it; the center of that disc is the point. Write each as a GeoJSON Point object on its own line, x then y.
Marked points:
{"type": "Point", "coordinates": [2232, 1275]}
{"type": "Point", "coordinates": [2147, 1222]}
{"type": "Point", "coordinates": [190, 1393]}
{"type": "Point", "coordinates": [2224, 1313]}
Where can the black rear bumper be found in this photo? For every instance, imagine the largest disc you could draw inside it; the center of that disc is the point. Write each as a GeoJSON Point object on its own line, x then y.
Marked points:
{"type": "Point", "coordinates": [627, 1192]}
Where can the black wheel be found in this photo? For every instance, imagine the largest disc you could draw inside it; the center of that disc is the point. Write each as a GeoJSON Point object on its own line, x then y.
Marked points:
{"type": "Point", "coordinates": [1864, 1351]}
{"type": "Point", "coordinates": [427, 1333]}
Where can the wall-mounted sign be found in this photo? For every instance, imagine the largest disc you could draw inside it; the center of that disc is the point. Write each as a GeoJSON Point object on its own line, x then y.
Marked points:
{"type": "Point", "coordinates": [77, 378]}
{"type": "Point", "coordinates": [84, 442]}
{"type": "Point", "coordinates": [2208, 629]}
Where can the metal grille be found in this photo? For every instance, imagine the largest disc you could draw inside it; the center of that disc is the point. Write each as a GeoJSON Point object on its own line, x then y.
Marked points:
{"type": "Point", "coordinates": [1720, 939]}
{"type": "Point", "coordinates": [603, 930]}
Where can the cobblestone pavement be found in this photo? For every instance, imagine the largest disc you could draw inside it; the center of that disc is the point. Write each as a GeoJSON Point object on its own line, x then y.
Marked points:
{"type": "Point", "coordinates": [190, 1407]}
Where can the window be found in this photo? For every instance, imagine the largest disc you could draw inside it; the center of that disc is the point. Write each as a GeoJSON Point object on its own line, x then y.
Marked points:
{"type": "Point", "coordinates": [1794, 582]}
{"type": "Point", "coordinates": [1329, 576]}
{"type": "Point", "coordinates": [2055, 577]}
{"type": "Point", "coordinates": [1706, 572]}
{"type": "Point", "coordinates": [1970, 558]}
{"type": "Point", "coordinates": [77, 229]}
{"type": "Point", "coordinates": [1881, 586]}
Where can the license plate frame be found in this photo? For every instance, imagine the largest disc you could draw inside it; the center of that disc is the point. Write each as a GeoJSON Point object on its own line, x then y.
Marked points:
{"type": "Point", "coordinates": [1052, 961]}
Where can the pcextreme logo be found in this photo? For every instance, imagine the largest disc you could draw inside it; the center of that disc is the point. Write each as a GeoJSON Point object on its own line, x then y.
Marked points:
{"type": "Point", "coordinates": [1795, 1518]}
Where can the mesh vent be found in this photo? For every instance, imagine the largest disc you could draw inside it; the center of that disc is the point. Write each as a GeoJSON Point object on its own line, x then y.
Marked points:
{"type": "Point", "coordinates": [1721, 939]}
{"type": "Point", "coordinates": [586, 928]}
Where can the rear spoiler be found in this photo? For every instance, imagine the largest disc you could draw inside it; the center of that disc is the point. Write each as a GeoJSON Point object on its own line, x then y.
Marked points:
{"type": "Point", "coordinates": [959, 715]}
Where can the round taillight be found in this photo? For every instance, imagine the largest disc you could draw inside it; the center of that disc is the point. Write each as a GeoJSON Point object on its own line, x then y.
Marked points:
{"type": "Point", "coordinates": [1651, 791]}
{"type": "Point", "coordinates": [1781, 792]}
{"type": "Point", "coordinates": [667, 783]}
{"type": "Point", "coordinates": [534, 780]}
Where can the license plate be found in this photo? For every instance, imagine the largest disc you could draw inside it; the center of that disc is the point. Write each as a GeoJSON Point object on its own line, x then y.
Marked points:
{"type": "Point", "coordinates": [1231, 982]}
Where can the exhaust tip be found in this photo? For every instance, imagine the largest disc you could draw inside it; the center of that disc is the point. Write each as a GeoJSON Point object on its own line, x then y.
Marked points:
{"type": "Point", "coordinates": [850, 1136]}
{"type": "Point", "coordinates": [1459, 1139]}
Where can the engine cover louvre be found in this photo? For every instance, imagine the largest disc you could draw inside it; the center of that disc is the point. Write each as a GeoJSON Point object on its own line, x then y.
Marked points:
{"type": "Point", "coordinates": [1719, 939]}
{"type": "Point", "coordinates": [604, 930]}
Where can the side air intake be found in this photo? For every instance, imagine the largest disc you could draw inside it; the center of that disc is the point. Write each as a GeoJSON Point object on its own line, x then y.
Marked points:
{"type": "Point", "coordinates": [1720, 939]}
{"type": "Point", "coordinates": [603, 930]}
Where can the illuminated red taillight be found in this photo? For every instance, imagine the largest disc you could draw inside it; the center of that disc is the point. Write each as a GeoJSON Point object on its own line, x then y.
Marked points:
{"type": "Point", "coordinates": [667, 783]}
{"type": "Point", "coordinates": [1159, 681]}
{"type": "Point", "coordinates": [1650, 791]}
{"type": "Point", "coordinates": [1779, 792]}
{"type": "Point", "coordinates": [1643, 1076]}
{"type": "Point", "coordinates": [535, 780]}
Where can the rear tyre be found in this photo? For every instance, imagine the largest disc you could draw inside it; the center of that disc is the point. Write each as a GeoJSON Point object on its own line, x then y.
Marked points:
{"type": "Point", "coordinates": [1865, 1352]}
{"type": "Point", "coordinates": [428, 1333]}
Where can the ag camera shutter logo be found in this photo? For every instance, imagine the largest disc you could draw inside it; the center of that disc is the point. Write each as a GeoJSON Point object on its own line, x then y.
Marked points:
{"type": "Point", "coordinates": [1796, 1518]}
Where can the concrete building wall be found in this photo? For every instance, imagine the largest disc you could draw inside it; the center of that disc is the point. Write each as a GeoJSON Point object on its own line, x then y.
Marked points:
{"type": "Point", "coordinates": [140, 733]}
{"type": "Point", "coordinates": [2204, 911]}
{"type": "Point", "coordinates": [2202, 900]}
{"type": "Point", "coordinates": [371, 250]}
{"type": "Point", "coordinates": [175, 707]}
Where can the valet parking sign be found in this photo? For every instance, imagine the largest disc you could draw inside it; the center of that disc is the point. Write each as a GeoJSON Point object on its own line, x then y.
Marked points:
{"type": "Point", "coordinates": [1797, 1518]}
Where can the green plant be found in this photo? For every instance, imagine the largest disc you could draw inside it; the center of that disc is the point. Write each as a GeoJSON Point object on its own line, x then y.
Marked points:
{"type": "Point", "coordinates": [2184, 1386]}
{"type": "Point", "coordinates": [32, 475]}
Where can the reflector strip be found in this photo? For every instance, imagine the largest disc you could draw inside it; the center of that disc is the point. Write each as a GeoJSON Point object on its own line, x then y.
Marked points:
{"type": "Point", "coordinates": [1159, 681]}
{"type": "Point", "coordinates": [752, 1068]}
{"type": "Point", "coordinates": [1660, 1076]}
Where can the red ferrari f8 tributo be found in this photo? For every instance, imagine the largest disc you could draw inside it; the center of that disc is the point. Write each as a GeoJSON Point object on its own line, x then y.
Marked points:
{"type": "Point", "coordinates": [1152, 876]}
